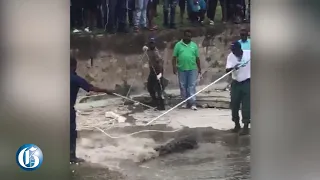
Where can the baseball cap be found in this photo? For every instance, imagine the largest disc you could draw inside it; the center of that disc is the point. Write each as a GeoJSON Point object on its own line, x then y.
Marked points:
{"type": "Point", "coordinates": [152, 40]}
{"type": "Point", "coordinates": [235, 45]}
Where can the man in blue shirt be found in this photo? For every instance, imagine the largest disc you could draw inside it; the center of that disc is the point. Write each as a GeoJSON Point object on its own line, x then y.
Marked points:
{"type": "Point", "coordinates": [77, 82]}
{"type": "Point", "coordinates": [245, 41]}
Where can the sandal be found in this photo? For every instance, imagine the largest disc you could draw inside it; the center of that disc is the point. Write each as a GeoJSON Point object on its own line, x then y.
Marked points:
{"type": "Point", "coordinates": [153, 28]}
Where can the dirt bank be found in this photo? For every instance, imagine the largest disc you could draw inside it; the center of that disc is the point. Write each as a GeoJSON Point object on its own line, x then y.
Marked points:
{"type": "Point", "coordinates": [115, 61]}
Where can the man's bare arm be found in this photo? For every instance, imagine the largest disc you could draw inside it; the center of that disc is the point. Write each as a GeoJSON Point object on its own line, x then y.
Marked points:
{"type": "Point", "coordinates": [174, 65]}
{"type": "Point", "coordinates": [198, 64]}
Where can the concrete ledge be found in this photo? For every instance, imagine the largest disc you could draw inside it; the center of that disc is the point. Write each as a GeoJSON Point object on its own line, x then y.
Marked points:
{"type": "Point", "coordinates": [220, 102]}
{"type": "Point", "coordinates": [211, 99]}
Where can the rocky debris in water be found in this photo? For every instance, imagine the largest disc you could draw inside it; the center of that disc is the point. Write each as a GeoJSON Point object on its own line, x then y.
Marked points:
{"type": "Point", "coordinates": [180, 144]}
{"type": "Point", "coordinates": [115, 116]}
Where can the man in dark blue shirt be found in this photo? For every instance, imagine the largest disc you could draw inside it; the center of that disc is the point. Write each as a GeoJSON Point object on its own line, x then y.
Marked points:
{"type": "Point", "coordinates": [77, 82]}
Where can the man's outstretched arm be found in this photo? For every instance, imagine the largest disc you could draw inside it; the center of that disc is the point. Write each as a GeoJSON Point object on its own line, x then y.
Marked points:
{"type": "Point", "coordinates": [82, 83]}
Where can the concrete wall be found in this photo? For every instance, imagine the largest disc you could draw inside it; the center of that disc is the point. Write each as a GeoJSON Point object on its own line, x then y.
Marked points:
{"type": "Point", "coordinates": [113, 61]}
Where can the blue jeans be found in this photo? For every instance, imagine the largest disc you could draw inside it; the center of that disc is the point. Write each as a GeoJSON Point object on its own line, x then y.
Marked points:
{"type": "Point", "coordinates": [140, 14]}
{"type": "Point", "coordinates": [131, 7]}
{"type": "Point", "coordinates": [187, 83]}
{"type": "Point", "coordinates": [169, 7]}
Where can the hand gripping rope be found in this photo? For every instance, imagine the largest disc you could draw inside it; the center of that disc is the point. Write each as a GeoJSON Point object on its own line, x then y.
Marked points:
{"type": "Point", "coordinates": [159, 81]}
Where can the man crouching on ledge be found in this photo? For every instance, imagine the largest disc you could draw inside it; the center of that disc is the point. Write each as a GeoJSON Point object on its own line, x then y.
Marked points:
{"type": "Point", "coordinates": [155, 79]}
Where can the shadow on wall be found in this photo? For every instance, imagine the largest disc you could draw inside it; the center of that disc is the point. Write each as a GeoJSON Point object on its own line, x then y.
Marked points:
{"type": "Point", "coordinates": [117, 62]}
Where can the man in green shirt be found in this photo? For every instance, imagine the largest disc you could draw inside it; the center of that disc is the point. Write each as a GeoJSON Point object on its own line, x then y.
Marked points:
{"type": "Point", "coordinates": [187, 63]}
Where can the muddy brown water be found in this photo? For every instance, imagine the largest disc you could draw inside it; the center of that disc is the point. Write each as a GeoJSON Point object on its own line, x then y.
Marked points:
{"type": "Point", "coordinates": [221, 155]}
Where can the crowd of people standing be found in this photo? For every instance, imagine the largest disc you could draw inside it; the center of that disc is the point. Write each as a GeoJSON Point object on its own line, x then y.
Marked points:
{"type": "Point", "coordinates": [123, 15]}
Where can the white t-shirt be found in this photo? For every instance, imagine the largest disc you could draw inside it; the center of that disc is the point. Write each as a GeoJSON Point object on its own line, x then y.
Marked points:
{"type": "Point", "coordinates": [242, 73]}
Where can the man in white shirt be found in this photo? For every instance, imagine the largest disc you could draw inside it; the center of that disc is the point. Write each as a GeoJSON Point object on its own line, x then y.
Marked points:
{"type": "Point", "coordinates": [245, 45]}
{"type": "Point", "coordinates": [239, 60]}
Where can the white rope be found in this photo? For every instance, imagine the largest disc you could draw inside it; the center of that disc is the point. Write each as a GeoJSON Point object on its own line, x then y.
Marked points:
{"type": "Point", "coordinates": [154, 70]}
{"type": "Point", "coordinates": [135, 76]}
{"type": "Point", "coordinates": [156, 118]}
{"type": "Point", "coordinates": [123, 97]}
{"type": "Point", "coordinates": [138, 132]}
{"type": "Point", "coordinates": [133, 100]}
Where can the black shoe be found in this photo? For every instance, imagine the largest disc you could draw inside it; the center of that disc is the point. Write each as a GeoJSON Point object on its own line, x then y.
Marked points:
{"type": "Point", "coordinates": [166, 26]}
{"type": "Point", "coordinates": [123, 29]}
{"type": "Point", "coordinates": [154, 103]}
{"type": "Point", "coordinates": [161, 105]}
{"type": "Point", "coordinates": [236, 128]}
{"type": "Point", "coordinates": [245, 130]}
{"type": "Point", "coordinates": [173, 26]}
{"type": "Point", "coordinates": [161, 108]}
{"type": "Point", "coordinates": [74, 160]}
{"type": "Point", "coordinates": [111, 31]}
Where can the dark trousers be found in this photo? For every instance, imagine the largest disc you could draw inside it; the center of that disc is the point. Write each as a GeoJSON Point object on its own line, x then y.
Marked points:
{"type": "Point", "coordinates": [155, 4]}
{"type": "Point", "coordinates": [117, 15]}
{"type": "Point", "coordinates": [212, 7]}
{"type": "Point", "coordinates": [248, 10]}
{"type": "Point", "coordinates": [169, 8]}
{"type": "Point", "coordinates": [90, 13]}
{"type": "Point", "coordinates": [151, 13]}
{"type": "Point", "coordinates": [183, 7]}
{"type": "Point", "coordinates": [240, 97]}
{"type": "Point", "coordinates": [100, 16]}
{"type": "Point", "coordinates": [197, 16]}
{"type": "Point", "coordinates": [235, 8]}
{"type": "Point", "coordinates": [73, 133]}
{"type": "Point", "coordinates": [131, 8]}
{"type": "Point", "coordinates": [105, 12]}
{"type": "Point", "coordinates": [155, 89]}
{"type": "Point", "coordinates": [241, 8]}
{"type": "Point", "coordinates": [230, 10]}
{"type": "Point", "coordinates": [76, 16]}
